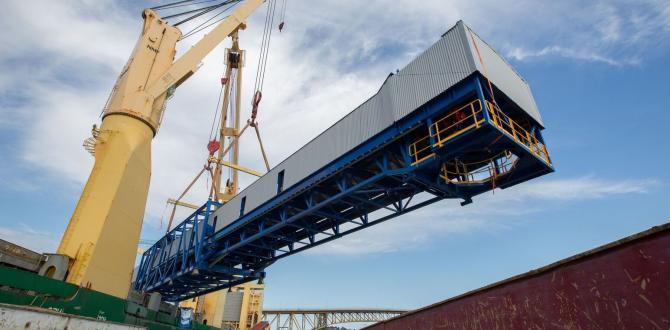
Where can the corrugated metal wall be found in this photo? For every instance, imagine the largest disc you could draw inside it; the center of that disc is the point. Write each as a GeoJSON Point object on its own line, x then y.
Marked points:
{"type": "Point", "coordinates": [503, 76]}
{"type": "Point", "coordinates": [233, 306]}
{"type": "Point", "coordinates": [440, 67]}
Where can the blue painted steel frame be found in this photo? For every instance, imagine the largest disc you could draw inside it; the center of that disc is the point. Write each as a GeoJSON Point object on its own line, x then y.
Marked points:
{"type": "Point", "coordinates": [372, 183]}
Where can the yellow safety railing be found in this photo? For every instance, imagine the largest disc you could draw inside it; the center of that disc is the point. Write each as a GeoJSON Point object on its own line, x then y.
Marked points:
{"type": "Point", "coordinates": [452, 126]}
{"type": "Point", "coordinates": [446, 128]}
{"type": "Point", "coordinates": [466, 118]}
{"type": "Point", "coordinates": [479, 172]}
{"type": "Point", "coordinates": [419, 150]}
{"type": "Point", "coordinates": [517, 132]}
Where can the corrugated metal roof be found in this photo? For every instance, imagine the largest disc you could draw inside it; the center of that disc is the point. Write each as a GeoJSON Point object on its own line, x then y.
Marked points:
{"type": "Point", "coordinates": [441, 66]}
{"type": "Point", "coordinates": [502, 75]}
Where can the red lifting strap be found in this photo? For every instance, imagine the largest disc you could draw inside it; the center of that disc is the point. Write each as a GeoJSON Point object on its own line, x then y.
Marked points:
{"type": "Point", "coordinates": [212, 147]}
{"type": "Point", "coordinates": [224, 80]}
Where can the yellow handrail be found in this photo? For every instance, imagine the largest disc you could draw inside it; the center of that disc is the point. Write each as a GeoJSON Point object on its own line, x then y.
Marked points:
{"type": "Point", "coordinates": [443, 130]}
{"type": "Point", "coordinates": [474, 108]}
{"type": "Point", "coordinates": [517, 132]}
{"type": "Point", "coordinates": [448, 128]}
{"type": "Point", "coordinates": [420, 154]}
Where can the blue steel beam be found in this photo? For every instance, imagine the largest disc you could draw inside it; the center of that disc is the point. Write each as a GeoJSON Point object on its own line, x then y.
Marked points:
{"type": "Point", "coordinates": [375, 182]}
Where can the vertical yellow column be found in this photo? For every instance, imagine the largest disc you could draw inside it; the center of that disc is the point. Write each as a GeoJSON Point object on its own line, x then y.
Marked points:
{"type": "Point", "coordinates": [104, 230]}
{"type": "Point", "coordinates": [102, 235]}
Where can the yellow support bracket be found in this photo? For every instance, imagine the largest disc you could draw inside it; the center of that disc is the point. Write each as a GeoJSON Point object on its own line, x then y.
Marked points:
{"type": "Point", "coordinates": [235, 167]}
{"type": "Point", "coordinates": [184, 204]}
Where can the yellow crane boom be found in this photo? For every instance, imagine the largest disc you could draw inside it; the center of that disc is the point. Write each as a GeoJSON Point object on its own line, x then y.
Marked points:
{"type": "Point", "coordinates": [102, 236]}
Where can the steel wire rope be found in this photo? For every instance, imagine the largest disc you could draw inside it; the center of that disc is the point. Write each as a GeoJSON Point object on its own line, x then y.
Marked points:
{"type": "Point", "coordinates": [199, 12]}
{"type": "Point", "coordinates": [169, 5]}
{"type": "Point", "coordinates": [180, 4]}
{"type": "Point", "coordinates": [200, 27]}
{"type": "Point", "coordinates": [193, 31]}
{"type": "Point", "coordinates": [282, 15]}
{"type": "Point", "coordinates": [265, 43]}
{"type": "Point", "coordinates": [216, 112]}
{"type": "Point", "coordinates": [267, 46]}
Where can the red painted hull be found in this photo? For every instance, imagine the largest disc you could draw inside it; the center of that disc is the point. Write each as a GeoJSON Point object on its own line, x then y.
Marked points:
{"type": "Point", "coordinates": [625, 284]}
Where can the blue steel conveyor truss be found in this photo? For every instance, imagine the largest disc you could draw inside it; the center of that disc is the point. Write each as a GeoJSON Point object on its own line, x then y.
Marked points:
{"type": "Point", "coordinates": [460, 144]}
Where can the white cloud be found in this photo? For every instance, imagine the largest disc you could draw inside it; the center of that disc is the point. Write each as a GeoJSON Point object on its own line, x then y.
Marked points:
{"type": "Point", "coordinates": [616, 33]}
{"type": "Point", "coordinates": [58, 68]}
{"type": "Point", "coordinates": [489, 212]}
{"type": "Point", "coordinates": [521, 54]}
{"type": "Point", "coordinates": [587, 187]}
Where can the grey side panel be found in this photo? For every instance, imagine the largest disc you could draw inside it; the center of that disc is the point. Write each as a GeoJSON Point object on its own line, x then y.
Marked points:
{"type": "Point", "coordinates": [444, 64]}
{"type": "Point", "coordinates": [367, 120]}
{"type": "Point", "coordinates": [438, 68]}
{"type": "Point", "coordinates": [188, 235]}
{"type": "Point", "coordinates": [174, 245]}
{"type": "Point", "coordinates": [233, 306]}
{"type": "Point", "coordinates": [502, 75]}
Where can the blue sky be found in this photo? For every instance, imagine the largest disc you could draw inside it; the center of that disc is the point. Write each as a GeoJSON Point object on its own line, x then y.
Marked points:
{"type": "Point", "coordinates": [598, 72]}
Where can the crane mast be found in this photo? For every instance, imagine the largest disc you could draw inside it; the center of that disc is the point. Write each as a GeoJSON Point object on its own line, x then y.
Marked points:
{"type": "Point", "coordinates": [103, 233]}
{"type": "Point", "coordinates": [234, 61]}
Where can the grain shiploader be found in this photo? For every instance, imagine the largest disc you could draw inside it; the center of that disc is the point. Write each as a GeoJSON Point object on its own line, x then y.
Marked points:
{"type": "Point", "coordinates": [457, 121]}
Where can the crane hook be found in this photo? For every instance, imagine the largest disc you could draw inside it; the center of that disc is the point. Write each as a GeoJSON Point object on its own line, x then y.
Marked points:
{"type": "Point", "coordinates": [254, 107]}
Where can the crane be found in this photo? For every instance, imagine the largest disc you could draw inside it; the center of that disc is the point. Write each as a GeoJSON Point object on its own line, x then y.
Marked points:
{"type": "Point", "coordinates": [103, 233]}
{"type": "Point", "coordinates": [426, 132]}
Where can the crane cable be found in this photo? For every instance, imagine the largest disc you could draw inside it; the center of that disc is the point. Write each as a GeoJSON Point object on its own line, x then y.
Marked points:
{"type": "Point", "coordinates": [283, 15]}
{"type": "Point", "coordinates": [199, 11]}
{"type": "Point", "coordinates": [208, 9]}
{"type": "Point", "coordinates": [200, 27]}
{"type": "Point", "coordinates": [260, 74]}
{"type": "Point", "coordinates": [178, 4]}
{"type": "Point", "coordinates": [172, 5]}
{"type": "Point", "coordinates": [263, 59]}
{"type": "Point", "coordinates": [216, 112]}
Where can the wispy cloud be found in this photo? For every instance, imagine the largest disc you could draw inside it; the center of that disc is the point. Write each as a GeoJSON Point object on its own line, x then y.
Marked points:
{"type": "Point", "coordinates": [587, 187]}
{"type": "Point", "coordinates": [522, 54]}
{"type": "Point", "coordinates": [332, 56]}
{"type": "Point", "coordinates": [489, 212]}
{"type": "Point", "coordinates": [617, 33]}
{"type": "Point", "coordinates": [29, 237]}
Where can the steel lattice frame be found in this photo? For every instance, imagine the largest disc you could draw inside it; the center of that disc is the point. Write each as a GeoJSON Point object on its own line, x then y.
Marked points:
{"type": "Point", "coordinates": [307, 319]}
{"type": "Point", "coordinates": [372, 183]}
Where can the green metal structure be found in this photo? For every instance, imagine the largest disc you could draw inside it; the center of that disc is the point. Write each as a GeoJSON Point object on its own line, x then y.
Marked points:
{"type": "Point", "coordinates": [19, 287]}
